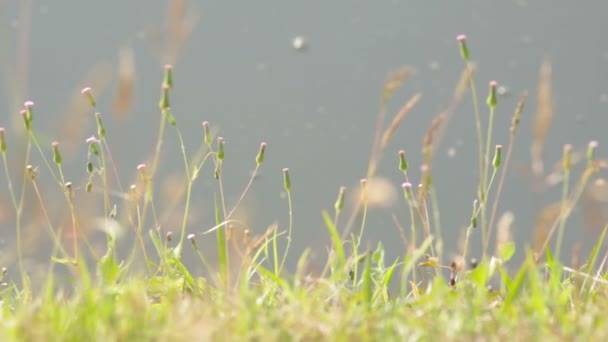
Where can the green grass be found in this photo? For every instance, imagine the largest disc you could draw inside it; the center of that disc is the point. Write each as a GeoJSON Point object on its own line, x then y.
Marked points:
{"type": "Point", "coordinates": [150, 294]}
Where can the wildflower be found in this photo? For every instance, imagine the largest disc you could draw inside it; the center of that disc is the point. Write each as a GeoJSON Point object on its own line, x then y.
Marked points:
{"type": "Point", "coordinates": [87, 92]}
{"type": "Point", "coordinates": [464, 50]}
{"type": "Point", "coordinates": [56, 154]}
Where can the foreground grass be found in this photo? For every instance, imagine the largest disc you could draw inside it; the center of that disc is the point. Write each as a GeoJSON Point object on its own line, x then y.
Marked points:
{"type": "Point", "coordinates": [249, 294]}
{"type": "Point", "coordinates": [315, 309]}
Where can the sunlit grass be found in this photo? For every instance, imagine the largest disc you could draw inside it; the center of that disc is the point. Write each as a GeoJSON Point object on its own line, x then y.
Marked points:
{"type": "Point", "coordinates": [250, 293]}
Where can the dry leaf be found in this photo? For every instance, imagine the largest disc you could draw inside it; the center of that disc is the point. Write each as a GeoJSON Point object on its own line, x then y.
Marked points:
{"type": "Point", "coordinates": [123, 98]}
{"type": "Point", "coordinates": [543, 119]}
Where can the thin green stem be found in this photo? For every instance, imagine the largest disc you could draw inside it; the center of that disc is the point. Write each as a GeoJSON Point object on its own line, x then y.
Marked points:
{"type": "Point", "coordinates": [106, 189]}
{"type": "Point", "coordinates": [501, 183]}
{"type": "Point", "coordinates": [484, 195]}
{"type": "Point", "coordinates": [46, 161]}
{"type": "Point", "coordinates": [435, 210]}
{"type": "Point", "coordinates": [482, 170]}
{"type": "Point", "coordinates": [149, 196]}
{"type": "Point", "coordinates": [566, 210]}
{"type": "Point", "coordinates": [54, 235]}
{"type": "Point", "coordinates": [188, 189]}
{"type": "Point", "coordinates": [562, 215]}
{"type": "Point", "coordinates": [253, 175]}
{"type": "Point", "coordinates": [221, 245]}
{"type": "Point", "coordinates": [289, 230]}
{"type": "Point", "coordinates": [410, 205]}
{"type": "Point", "coordinates": [18, 210]}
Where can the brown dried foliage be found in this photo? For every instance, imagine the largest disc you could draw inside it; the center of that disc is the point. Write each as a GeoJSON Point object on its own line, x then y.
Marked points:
{"type": "Point", "coordinates": [79, 114]}
{"type": "Point", "coordinates": [544, 117]}
{"type": "Point", "coordinates": [168, 41]}
{"type": "Point", "coordinates": [123, 98]}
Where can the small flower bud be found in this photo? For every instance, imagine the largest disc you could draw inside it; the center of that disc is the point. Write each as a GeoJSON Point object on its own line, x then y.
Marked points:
{"type": "Point", "coordinates": [87, 92]}
{"type": "Point", "coordinates": [497, 156]}
{"type": "Point", "coordinates": [247, 236]}
{"type": "Point", "coordinates": [402, 161]}
{"type": "Point", "coordinates": [168, 78]}
{"type": "Point", "coordinates": [69, 189]}
{"type": "Point", "coordinates": [492, 98]}
{"type": "Point", "coordinates": [133, 192]}
{"type": "Point", "coordinates": [164, 97]}
{"type": "Point", "coordinates": [207, 133]}
{"type": "Point", "coordinates": [90, 167]}
{"type": "Point", "coordinates": [101, 131]}
{"type": "Point", "coordinates": [286, 180]}
{"type": "Point", "coordinates": [340, 201]}
{"type": "Point", "coordinates": [464, 50]}
{"type": "Point", "coordinates": [220, 148]}
{"type": "Point", "coordinates": [142, 171]}
{"type": "Point", "coordinates": [56, 154]}
{"type": "Point", "coordinates": [407, 191]}
{"type": "Point", "coordinates": [567, 157]}
{"type": "Point", "coordinates": [169, 236]}
{"type": "Point", "coordinates": [474, 215]}
{"type": "Point", "coordinates": [29, 109]}
{"type": "Point", "coordinates": [363, 183]}
{"type": "Point", "coordinates": [26, 122]}
{"type": "Point", "coordinates": [89, 187]}
{"type": "Point", "coordinates": [2, 141]}
{"type": "Point", "coordinates": [591, 148]}
{"type": "Point", "coordinates": [191, 238]}
{"type": "Point", "coordinates": [93, 147]}
{"type": "Point", "coordinates": [260, 157]}
{"type": "Point", "coordinates": [31, 172]}
{"type": "Point", "coordinates": [170, 118]}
